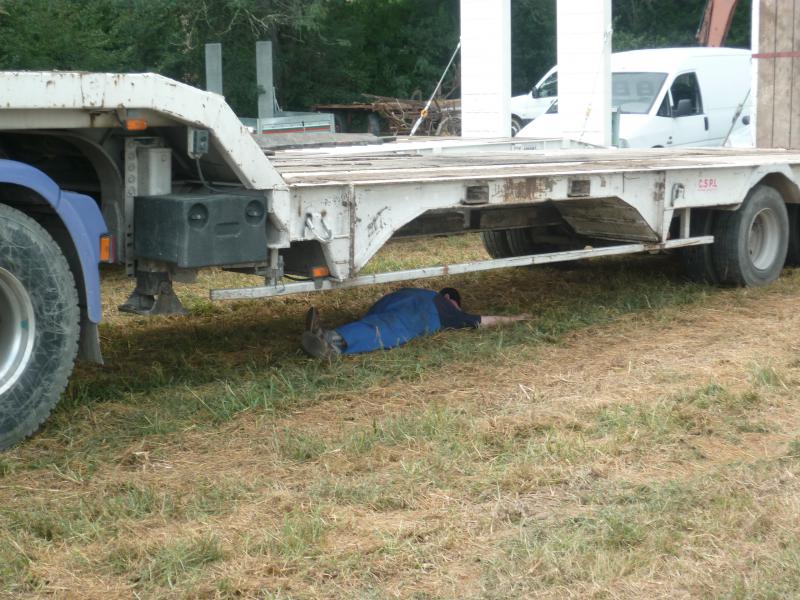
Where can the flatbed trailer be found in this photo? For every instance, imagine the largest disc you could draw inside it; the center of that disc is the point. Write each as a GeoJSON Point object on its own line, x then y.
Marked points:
{"type": "Point", "coordinates": [169, 173]}
{"type": "Point", "coordinates": [641, 197]}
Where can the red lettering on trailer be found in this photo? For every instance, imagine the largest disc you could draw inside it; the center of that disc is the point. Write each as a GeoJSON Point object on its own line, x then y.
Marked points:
{"type": "Point", "coordinates": [707, 184]}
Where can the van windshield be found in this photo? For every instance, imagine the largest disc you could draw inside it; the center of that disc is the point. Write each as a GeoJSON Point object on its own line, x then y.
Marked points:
{"type": "Point", "coordinates": [635, 92]}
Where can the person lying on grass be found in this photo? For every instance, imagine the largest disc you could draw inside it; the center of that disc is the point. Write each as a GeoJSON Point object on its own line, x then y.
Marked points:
{"type": "Point", "coordinates": [394, 320]}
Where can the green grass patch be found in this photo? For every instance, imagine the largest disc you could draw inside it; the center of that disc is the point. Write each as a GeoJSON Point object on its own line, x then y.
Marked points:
{"type": "Point", "coordinates": [623, 529]}
{"type": "Point", "coordinates": [88, 518]}
{"type": "Point", "coordinates": [445, 428]}
{"type": "Point", "coordinates": [16, 576]}
{"type": "Point", "coordinates": [368, 491]}
{"type": "Point", "coordinates": [766, 577]}
{"type": "Point", "coordinates": [299, 446]}
{"type": "Point", "coordinates": [107, 513]}
{"type": "Point", "coordinates": [204, 370]}
{"type": "Point", "coordinates": [707, 410]}
{"type": "Point", "coordinates": [299, 536]}
{"type": "Point", "coordinates": [175, 562]}
{"type": "Point", "coordinates": [766, 376]}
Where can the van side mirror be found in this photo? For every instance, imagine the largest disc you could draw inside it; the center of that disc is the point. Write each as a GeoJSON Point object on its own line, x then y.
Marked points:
{"type": "Point", "coordinates": [684, 108]}
{"type": "Point", "coordinates": [534, 92]}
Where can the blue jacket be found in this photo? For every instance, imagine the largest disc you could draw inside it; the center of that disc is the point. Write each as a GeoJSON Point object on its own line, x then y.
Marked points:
{"type": "Point", "coordinates": [393, 320]}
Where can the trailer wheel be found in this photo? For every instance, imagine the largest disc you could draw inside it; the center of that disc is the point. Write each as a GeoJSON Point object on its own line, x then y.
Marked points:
{"type": "Point", "coordinates": [521, 242]}
{"type": "Point", "coordinates": [793, 252]}
{"type": "Point", "coordinates": [39, 325]}
{"type": "Point", "coordinates": [496, 243]}
{"type": "Point", "coordinates": [699, 260]}
{"type": "Point", "coordinates": [750, 243]}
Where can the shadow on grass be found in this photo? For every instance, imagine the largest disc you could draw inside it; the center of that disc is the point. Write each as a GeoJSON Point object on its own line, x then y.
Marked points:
{"type": "Point", "coordinates": [170, 374]}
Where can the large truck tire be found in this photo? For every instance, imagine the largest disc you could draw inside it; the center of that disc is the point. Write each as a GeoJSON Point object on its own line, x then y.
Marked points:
{"type": "Point", "coordinates": [496, 243]}
{"type": "Point", "coordinates": [699, 260]}
{"type": "Point", "coordinates": [793, 252]}
{"type": "Point", "coordinates": [39, 325]}
{"type": "Point", "coordinates": [750, 243]}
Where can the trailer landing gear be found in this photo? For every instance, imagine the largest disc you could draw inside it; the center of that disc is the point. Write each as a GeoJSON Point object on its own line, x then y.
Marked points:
{"type": "Point", "coordinates": [153, 296]}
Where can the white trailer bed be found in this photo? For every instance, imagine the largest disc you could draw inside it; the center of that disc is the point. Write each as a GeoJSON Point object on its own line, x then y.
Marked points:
{"type": "Point", "coordinates": [354, 201]}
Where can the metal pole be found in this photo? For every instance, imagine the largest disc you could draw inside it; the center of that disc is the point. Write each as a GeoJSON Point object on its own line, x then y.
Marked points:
{"type": "Point", "coordinates": [264, 79]}
{"type": "Point", "coordinates": [214, 68]}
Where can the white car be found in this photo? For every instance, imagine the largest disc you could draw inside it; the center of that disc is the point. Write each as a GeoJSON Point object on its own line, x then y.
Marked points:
{"type": "Point", "coordinates": [671, 97]}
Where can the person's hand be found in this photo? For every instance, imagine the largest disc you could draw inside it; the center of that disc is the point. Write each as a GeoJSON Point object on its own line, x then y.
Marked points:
{"type": "Point", "coordinates": [494, 320]}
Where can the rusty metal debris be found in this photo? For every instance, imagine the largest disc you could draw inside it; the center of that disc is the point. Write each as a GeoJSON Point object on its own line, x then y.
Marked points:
{"type": "Point", "coordinates": [396, 116]}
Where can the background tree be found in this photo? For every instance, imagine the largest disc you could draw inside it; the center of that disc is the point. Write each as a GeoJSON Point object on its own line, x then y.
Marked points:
{"type": "Point", "coordinates": [325, 50]}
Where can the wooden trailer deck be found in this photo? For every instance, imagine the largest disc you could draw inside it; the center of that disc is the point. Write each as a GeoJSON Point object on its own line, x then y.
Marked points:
{"type": "Point", "coordinates": [326, 169]}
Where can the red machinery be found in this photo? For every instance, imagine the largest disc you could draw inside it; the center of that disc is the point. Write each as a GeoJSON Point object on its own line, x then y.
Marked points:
{"type": "Point", "coordinates": [716, 24]}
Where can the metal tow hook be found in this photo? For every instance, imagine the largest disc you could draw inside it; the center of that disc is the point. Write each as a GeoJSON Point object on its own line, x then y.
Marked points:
{"type": "Point", "coordinates": [328, 233]}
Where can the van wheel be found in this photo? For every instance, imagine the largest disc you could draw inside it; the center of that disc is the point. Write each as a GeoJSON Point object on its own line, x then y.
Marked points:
{"type": "Point", "coordinates": [751, 242]}
{"type": "Point", "coordinates": [496, 243]}
{"type": "Point", "coordinates": [699, 260]}
{"type": "Point", "coordinates": [516, 125]}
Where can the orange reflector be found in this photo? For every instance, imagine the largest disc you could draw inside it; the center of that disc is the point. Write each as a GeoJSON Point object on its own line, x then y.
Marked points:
{"type": "Point", "coordinates": [317, 272]}
{"type": "Point", "coordinates": [106, 248]}
{"type": "Point", "coordinates": [136, 124]}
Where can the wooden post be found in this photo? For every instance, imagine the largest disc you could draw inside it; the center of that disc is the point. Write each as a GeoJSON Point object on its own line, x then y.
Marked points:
{"type": "Point", "coordinates": [777, 63]}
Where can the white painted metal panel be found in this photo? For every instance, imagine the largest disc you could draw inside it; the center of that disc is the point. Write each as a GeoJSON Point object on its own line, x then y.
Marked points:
{"type": "Point", "coordinates": [485, 68]}
{"type": "Point", "coordinates": [584, 70]}
{"type": "Point", "coordinates": [97, 93]}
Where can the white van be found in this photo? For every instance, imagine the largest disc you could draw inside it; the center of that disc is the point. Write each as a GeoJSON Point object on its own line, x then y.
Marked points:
{"type": "Point", "coordinates": [535, 103]}
{"type": "Point", "coordinates": [670, 97]}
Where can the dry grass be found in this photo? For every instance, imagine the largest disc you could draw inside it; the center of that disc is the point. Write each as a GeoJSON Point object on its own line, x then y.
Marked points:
{"type": "Point", "coordinates": [639, 439]}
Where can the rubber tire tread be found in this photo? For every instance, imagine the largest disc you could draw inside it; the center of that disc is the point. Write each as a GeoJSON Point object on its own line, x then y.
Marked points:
{"type": "Point", "coordinates": [29, 252]}
{"type": "Point", "coordinates": [699, 260]}
{"type": "Point", "coordinates": [521, 243]}
{"type": "Point", "coordinates": [793, 252]}
{"type": "Point", "coordinates": [731, 230]}
{"type": "Point", "coordinates": [516, 126]}
{"type": "Point", "coordinates": [496, 243]}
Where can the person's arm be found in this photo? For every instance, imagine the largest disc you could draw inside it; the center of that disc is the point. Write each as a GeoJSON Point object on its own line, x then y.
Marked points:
{"type": "Point", "coordinates": [494, 320]}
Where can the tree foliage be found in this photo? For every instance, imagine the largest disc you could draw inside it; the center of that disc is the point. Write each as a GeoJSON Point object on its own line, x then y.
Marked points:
{"type": "Point", "coordinates": [325, 50]}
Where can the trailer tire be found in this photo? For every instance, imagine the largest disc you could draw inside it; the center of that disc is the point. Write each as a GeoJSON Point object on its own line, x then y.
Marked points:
{"type": "Point", "coordinates": [751, 242]}
{"type": "Point", "coordinates": [699, 260]}
{"type": "Point", "coordinates": [521, 242]}
{"type": "Point", "coordinates": [793, 252]}
{"type": "Point", "coordinates": [38, 344]}
{"type": "Point", "coordinates": [496, 243]}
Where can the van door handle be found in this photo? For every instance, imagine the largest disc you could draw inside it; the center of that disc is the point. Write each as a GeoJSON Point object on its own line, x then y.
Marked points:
{"type": "Point", "coordinates": [706, 122]}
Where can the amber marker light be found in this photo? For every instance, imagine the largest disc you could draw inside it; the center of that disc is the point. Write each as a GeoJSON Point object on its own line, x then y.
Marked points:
{"type": "Point", "coordinates": [318, 272]}
{"type": "Point", "coordinates": [106, 249]}
{"type": "Point", "coordinates": [136, 124]}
